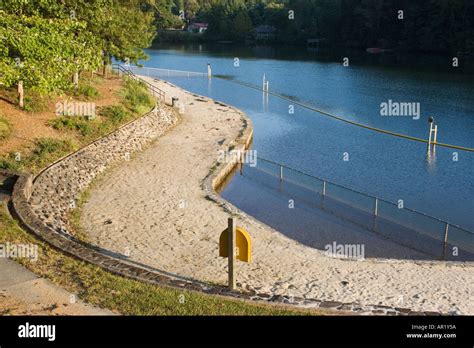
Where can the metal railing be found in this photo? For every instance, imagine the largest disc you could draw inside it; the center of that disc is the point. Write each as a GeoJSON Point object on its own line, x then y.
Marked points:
{"type": "Point", "coordinates": [403, 225]}
{"type": "Point", "coordinates": [155, 91]}
{"type": "Point", "coordinates": [157, 72]}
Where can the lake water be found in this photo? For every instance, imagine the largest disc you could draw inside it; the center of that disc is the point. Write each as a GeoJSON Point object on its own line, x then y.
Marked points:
{"type": "Point", "coordinates": [380, 165]}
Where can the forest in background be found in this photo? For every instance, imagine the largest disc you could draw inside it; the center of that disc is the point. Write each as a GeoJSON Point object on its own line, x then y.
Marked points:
{"type": "Point", "coordinates": [46, 44]}
{"type": "Point", "coordinates": [441, 26]}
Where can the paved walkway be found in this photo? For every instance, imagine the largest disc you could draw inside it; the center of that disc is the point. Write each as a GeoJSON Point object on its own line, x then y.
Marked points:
{"type": "Point", "coordinates": [24, 293]}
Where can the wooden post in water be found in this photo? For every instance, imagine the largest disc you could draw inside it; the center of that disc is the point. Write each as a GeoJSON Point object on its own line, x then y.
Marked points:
{"type": "Point", "coordinates": [430, 121]}
{"type": "Point", "coordinates": [209, 71]}
{"type": "Point", "coordinates": [445, 244]}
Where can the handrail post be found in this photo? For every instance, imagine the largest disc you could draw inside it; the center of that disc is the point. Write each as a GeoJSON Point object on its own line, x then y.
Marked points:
{"type": "Point", "coordinates": [445, 244]}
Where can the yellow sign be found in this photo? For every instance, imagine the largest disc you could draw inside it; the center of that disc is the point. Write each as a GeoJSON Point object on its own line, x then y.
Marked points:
{"type": "Point", "coordinates": [243, 245]}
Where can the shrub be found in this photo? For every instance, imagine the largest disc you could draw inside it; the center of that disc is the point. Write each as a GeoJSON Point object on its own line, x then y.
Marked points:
{"type": "Point", "coordinates": [9, 163]}
{"type": "Point", "coordinates": [5, 130]}
{"type": "Point", "coordinates": [87, 91]}
{"type": "Point", "coordinates": [36, 102]}
{"type": "Point", "coordinates": [45, 151]}
{"type": "Point", "coordinates": [48, 150]}
{"type": "Point", "coordinates": [45, 146]}
{"type": "Point", "coordinates": [76, 123]}
{"type": "Point", "coordinates": [136, 97]}
{"type": "Point", "coordinates": [115, 114]}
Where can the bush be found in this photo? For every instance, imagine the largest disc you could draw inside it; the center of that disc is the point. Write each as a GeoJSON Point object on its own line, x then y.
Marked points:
{"type": "Point", "coordinates": [136, 97]}
{"type": "Point", "coordinates": [115, 114]}
{"type": "Point", "coordinates": [5, 130]}
{"type": "Point", "coordinates": [76, 123]}
{"type": "Point", "coordinates": [47, 150]}
{"type": "Point", "coordinates": [46, 146]}
{"type": "Point", "coordinates": [87, 91]}
{"type": "Point", "coordinates": [9, 163]}
{"type": "Point", "coordinates": [36, 102]}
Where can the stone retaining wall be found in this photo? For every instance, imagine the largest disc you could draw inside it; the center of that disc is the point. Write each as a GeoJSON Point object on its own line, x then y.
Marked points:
{"type": "Point", "coordinates": [57, 188]}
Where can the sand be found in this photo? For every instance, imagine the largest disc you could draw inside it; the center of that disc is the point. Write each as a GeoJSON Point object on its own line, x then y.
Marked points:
{"type": "Point", "coordinates": [160, 217]}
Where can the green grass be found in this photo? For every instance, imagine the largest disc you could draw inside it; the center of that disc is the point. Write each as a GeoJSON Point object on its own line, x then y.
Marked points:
{"type": "Point", "coordinates": [36, 102]}
{"type": "Point", "coordinates": [87, 91]}
{"type": "Point", "coordinates": [44, 152]}
{"type": "Point", "coordinates": [126, 296]}
{"type": "Point", "coordinates": [111, 117]}
{"type": "Point", "coordinates": [5, 129]}
{"type": "Point", "coordinates": [73, 123]}
{"type": "Point", "coordinates": [135, 101]}
{"type": "Point", "coordinates": [136, 97]}
{"type": "Point", "coordinates": [116, 114]}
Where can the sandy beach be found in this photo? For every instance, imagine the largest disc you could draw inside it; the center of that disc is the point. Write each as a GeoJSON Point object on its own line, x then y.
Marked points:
{"type": "Point", "coordinates": [153, 208]}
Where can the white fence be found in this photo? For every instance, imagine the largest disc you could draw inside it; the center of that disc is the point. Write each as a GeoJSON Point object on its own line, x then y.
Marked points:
{"type": "Point", "coordinates": [156, 72]}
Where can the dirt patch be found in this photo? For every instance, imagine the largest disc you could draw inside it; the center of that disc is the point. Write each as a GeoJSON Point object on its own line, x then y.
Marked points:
{"type": "Point", "coordinates": [27, 126]}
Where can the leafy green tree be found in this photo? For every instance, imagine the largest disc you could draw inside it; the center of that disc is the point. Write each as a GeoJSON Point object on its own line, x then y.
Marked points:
{"type": "Point", "coordinates": [241, 25]}
{"type": "Point", "coordinates": [45, 43]}
{"type": "Point", "coordinates": [42, 54]}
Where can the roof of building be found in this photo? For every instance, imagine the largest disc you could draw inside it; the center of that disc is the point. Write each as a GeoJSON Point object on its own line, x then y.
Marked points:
{"type": "Point", "coordinates": [265, 28]}
{"type": "Point", "coordinates": [199, 25]}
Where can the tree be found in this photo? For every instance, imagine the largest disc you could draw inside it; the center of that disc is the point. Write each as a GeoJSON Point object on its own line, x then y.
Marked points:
{"type": "Point", "coordinates": [44, 43]}
{"type": "Point", "coordinates": [241, 25]}
{"type": "Point", "coordinates": [42, 53]}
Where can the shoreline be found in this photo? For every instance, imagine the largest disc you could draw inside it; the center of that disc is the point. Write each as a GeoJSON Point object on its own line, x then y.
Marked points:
{"type": "Point", "coordinates": [170, 221]}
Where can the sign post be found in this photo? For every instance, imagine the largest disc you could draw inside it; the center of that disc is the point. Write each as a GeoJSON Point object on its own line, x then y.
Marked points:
{"type": "Point", "coordinates": [234, 243]}
{"type": "Point", "coordinates": [231, 252]}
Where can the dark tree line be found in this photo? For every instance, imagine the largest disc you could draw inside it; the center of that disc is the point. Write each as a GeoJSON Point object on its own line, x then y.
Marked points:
{"type": "Point", "coordinates": [424, 25]}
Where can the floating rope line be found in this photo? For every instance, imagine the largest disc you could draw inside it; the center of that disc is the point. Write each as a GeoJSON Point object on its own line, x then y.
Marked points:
{"type": "Point", "coordinates": [339, 118]}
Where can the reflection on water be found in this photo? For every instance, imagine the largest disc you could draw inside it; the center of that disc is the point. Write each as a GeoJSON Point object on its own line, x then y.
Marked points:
{"type": "Point", "coordinates": [431, 160]}
{"type": "Point", "coordinates": [380, 165]}
{"type": "Point", "coordinates": [320, 213]}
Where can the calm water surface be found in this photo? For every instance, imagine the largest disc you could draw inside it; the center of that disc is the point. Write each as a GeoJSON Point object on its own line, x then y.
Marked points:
{"type": "Point", "coordinates": [380, 165]}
